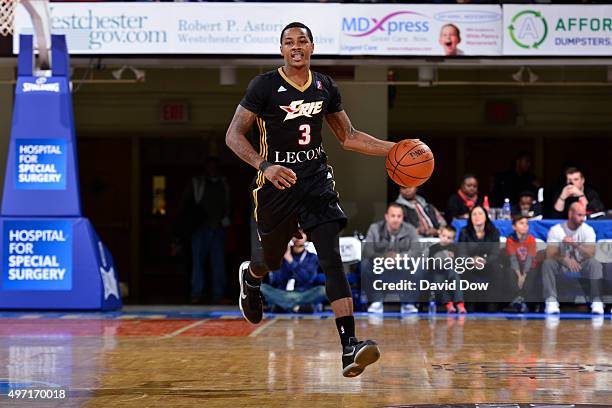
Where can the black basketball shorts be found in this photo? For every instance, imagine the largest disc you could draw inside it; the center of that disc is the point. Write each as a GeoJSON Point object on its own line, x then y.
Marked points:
{"type": "Point", "coordinates": [280, 213]}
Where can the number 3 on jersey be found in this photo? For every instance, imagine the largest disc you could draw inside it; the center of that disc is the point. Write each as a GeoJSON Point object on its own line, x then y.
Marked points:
{"type": "Point", "coordinates": [305, 136]}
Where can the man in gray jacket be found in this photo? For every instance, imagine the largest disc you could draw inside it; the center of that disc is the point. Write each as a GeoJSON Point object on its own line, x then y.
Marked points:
{"type": "Point", "coordinates": [388, 238]}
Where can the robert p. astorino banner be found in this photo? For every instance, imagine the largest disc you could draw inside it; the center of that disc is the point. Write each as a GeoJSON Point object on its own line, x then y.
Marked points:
{"type": "Point", "coordinates": [557, 30]}
{"type": "Point", "coordinates": [427, 29]}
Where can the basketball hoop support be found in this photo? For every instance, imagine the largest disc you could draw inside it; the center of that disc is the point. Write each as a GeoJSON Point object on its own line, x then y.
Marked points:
{"type": "Point", "coordinates": [38, 11]}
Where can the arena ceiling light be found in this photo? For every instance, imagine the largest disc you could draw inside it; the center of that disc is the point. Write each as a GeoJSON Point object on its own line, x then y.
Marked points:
{"type": "Point", "coordinates": [518, 75]}
{"type": "Point", "coordinates": [531, 76]}
{"type": "Point", "coordinates": [427, 75]}
{"type": "Point", "coordinates": [139, 74]}
{"type": "Point", "coordinates": [227, 75]}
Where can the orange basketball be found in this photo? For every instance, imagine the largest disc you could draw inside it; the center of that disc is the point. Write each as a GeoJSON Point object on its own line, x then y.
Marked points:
{"type": "Point", "coordinates": [410, 163]}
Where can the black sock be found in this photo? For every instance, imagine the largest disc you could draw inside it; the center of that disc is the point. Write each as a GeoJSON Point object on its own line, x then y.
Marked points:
{"type": "Point", "coordinates": [346, 329]}
{"type": "Point", "coordinates": [252, 280]}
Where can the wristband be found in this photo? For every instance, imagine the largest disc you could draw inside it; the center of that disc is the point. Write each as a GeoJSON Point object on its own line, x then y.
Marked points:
{"type": "Point", "coordinates": [264, 165]}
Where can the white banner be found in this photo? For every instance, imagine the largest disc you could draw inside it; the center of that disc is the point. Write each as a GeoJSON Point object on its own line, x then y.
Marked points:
{"type": "Point", "coordinates": [424, 29]}
{"type": "Point", "coordinates": [183, 28]}
{"type": "Point", "coordinates": [339, 29]}
{"type": "Point", "coordinates": [540, 30]}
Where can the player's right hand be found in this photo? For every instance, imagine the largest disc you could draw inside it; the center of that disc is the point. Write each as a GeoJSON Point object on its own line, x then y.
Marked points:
{"type": "Point", "coordinates": [280, 176]}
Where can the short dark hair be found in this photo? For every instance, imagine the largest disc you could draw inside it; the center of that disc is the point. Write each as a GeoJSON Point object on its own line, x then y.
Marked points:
{"type": "Point", "coordinates": [572, 170]}
{"type": "Point", "coordinates": [527, 193]}
{"type": "Point", "coordinates": [468, 176]}
{"type": "Point", "coordinates": [395, 205]}
{"type": "Point", "coordinates": [518, 217]}
{"type": "Point", "coordinates": [297, 24]}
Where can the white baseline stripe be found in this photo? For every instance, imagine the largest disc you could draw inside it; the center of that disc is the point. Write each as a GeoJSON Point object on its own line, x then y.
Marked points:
{"type": "Point", "coordinates": [262, 327]}
{"type": "Point", "coordinates": [184, 329]}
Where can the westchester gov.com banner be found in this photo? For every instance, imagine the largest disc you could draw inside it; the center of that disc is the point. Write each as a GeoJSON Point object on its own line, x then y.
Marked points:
{"type": "Point", "coordinates": [183, 28]}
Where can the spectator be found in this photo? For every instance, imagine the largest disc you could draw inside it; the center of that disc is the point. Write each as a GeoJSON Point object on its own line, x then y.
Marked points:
{"type": "Point", "coordinates": [390, 236]}
{"type": "Point", "coordinates": [450, 37]}
{"type": "Point", "coordinates": [521, 252]}
{"type": "Point", "coordinates": [513, 182]}
{"type": "Point", "coordinates": [419, 213]}
{"type": "Point", "coordinates": [446, 249]}
{"type": "Point", "coordinates": [479, 240]}
{"type": "Point", "coordinates": [293, 287]}
{"type": "Point", "coordinates": [571, 250]}
{"type": "Point", "coordinates": [575, 190]}
{"type": "Point", "coordinates": [205, 213]}
{"type": "Point", "coordinates": [527, 205]}
{"type": "Point", "coordinates": [461, 202]}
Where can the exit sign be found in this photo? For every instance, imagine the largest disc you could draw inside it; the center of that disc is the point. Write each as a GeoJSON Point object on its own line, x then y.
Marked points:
{"type": "Point", "coordinates": [174, 112]}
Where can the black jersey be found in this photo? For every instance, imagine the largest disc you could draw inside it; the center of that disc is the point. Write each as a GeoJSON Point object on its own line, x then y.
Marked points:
{"type": "Point", "coordinates": [290, 118]}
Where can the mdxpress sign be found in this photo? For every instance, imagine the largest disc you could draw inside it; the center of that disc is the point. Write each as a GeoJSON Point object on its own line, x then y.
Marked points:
{"type": "Point", "coordinates": [37, 255]}
{"type": "Point", "coordinates": [446, 30]}
{"type": "Point", "coordinates": [182, 28]}
{"type": "Point", "coordinates": [557, 30]}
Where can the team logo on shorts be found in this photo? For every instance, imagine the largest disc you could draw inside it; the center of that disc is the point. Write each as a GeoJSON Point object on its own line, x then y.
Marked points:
{"type": "Point", "coordinates": [299, 108]}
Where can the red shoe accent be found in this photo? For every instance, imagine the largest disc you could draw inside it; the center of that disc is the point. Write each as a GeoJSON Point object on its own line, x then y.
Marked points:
{"type": "Point", "coordinates": [461, 308]}
{"type": "Point", "coordinates": [450, 308]}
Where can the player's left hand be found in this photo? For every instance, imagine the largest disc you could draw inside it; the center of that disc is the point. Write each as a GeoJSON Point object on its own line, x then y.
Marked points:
{"type": "Point", "coordinates": [281, 176]}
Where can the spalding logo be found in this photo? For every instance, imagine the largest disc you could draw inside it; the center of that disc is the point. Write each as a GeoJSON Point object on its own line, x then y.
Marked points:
{"type": "Point", "coordinates": [417, 153]}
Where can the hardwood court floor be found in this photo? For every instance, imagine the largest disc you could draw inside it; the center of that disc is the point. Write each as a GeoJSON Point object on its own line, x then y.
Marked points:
{"type": "Point", "coordinates": [150, 361]}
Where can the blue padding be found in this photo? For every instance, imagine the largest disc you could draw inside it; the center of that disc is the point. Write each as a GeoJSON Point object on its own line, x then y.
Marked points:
{"type": "Point", "coordinates": [90, 280]}
{"type": "Point", "coordinates": [539, 228]}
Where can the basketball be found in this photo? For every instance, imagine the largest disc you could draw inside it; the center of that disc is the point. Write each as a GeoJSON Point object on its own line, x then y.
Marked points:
{"type": "Point", "coordinates": [410, 163]}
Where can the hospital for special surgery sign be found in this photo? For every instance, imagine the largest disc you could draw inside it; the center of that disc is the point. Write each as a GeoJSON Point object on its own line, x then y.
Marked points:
{"type": "Point", "coordinates": [41, 164]}
{"type": "Point", "coordinates": [37, 255]}
{"type": "Point", "coordinates": [557, 30]}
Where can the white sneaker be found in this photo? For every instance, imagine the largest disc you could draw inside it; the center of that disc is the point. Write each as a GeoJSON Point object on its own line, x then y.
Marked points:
{"type": "Point", "coordinates": [408, 308]}
{"type": "Point", "coordinates": [552, 307]}
{"type": "Point", "coordinates": [597, 308]}
{"type": "Point", "coordinates": [376, 307]}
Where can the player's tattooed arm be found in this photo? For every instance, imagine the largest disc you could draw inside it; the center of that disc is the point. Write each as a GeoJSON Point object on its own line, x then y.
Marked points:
{"type": "Point", "coordinates": [235, 138]}
{"type": "Point", "coordinates": [353, 139]}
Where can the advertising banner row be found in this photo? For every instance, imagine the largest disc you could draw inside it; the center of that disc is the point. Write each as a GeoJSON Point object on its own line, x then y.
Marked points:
{"type": "Point", "coordinates": [339, 29]}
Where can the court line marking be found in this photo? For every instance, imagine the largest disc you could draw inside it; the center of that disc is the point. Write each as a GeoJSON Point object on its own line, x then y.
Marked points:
{"type": "Point", "coordinates": [262, 327]}
{"type": "Point", "coordinates": [184, 329]}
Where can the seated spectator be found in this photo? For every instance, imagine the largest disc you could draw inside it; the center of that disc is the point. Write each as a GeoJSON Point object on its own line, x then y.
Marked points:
{"type": "Point", "coordinates": [575, 190]}
{"type": "Point", "coordinates": [511, 183]}
{"type": "Point", "coordinates": [479, 240]}
{"type": "Point", "coordinates": [571, 249]}
{"type": "Point", "coordinates": [292, 287]}
{"type": "Point", "coordinates": [390, 236]}
{"type": "Point", "coordinates": [419, 213]}
{"type": "Point", "coordinates": [446, 248]}
{"type": "Point", "coordinates": [527, 205]}
{"type": "Point", "coordinates": [521, 252]}
{"type": "Point", "coordinates": [461, 202]}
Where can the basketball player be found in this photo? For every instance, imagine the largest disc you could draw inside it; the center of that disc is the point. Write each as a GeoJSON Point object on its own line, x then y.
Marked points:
{"type": "Point", "coordinates": [294, 186]}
